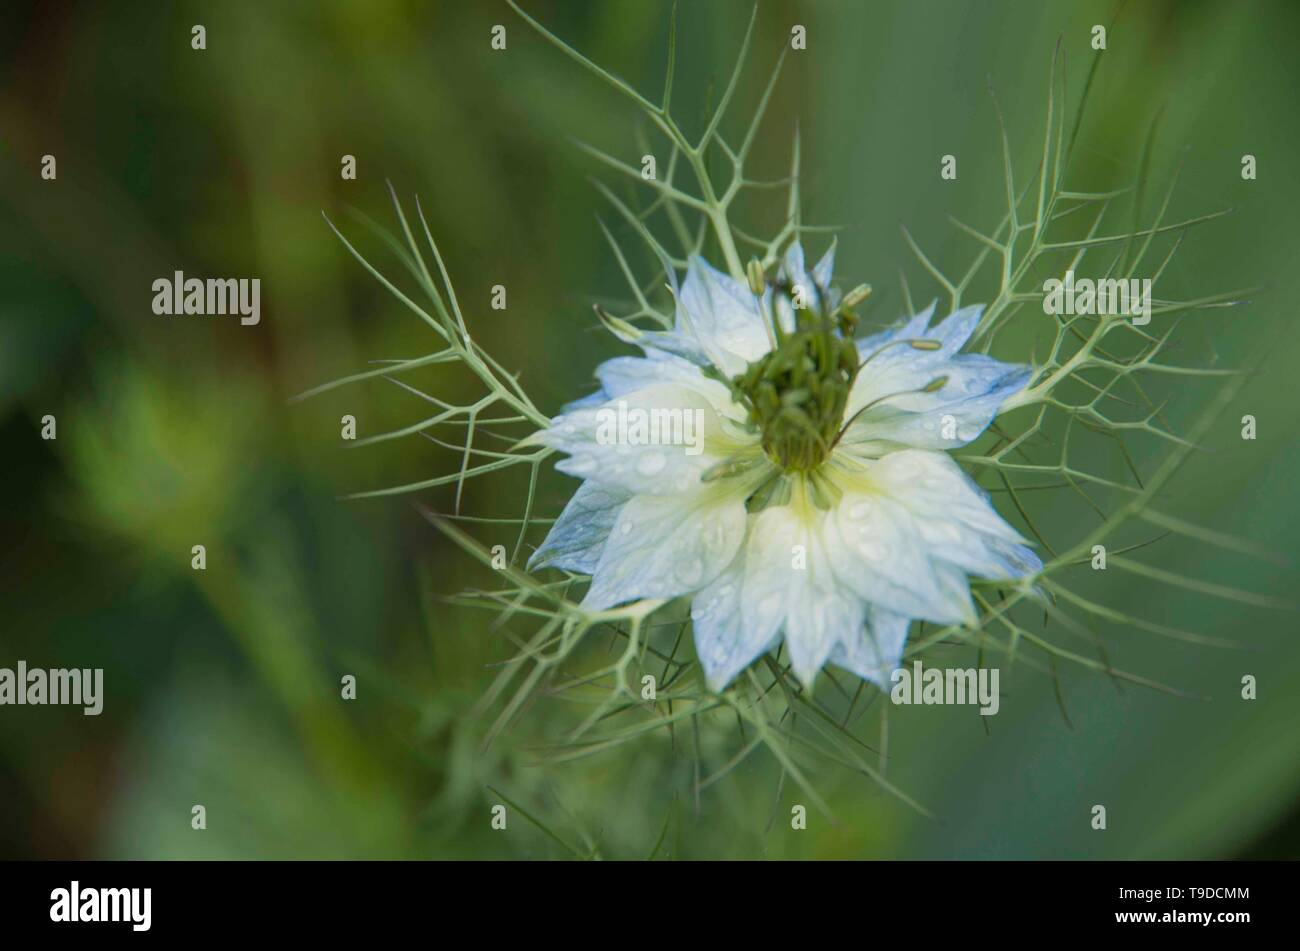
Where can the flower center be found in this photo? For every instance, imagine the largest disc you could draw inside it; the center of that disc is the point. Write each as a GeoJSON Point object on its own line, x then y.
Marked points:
{"type": "Point", "coordinates": [797, 391]}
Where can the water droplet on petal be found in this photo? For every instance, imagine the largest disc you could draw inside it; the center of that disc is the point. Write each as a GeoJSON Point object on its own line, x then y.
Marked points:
{"type": "Point", "coordinates": [690, 571]}
{"type": "Point", "coordinates": [871, 550]}
{"type": "Point", "coordinates": [651, 463]}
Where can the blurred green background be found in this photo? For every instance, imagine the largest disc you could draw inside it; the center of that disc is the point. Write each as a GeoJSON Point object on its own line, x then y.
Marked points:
{"type": "Point", "coordinates": [222, 687]}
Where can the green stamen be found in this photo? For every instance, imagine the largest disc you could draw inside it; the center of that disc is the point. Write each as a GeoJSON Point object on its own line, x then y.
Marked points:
{"type": "Point", "coordinates": [796, 393]}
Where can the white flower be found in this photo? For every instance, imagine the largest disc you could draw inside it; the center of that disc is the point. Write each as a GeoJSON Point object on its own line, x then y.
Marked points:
{"type": "Point", "coordinates": [822, 508]}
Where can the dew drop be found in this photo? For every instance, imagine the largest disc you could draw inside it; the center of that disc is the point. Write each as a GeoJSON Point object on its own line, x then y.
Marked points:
{"type": "Point", "coordinates": [690, 571]}
{"type": "Point", "coordinates": [651, 463]}
{"type": "Point", "coordinates": [871, 550]}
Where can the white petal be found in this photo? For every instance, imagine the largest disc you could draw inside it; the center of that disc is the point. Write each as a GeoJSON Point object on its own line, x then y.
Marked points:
{"type": "Point", "coordinates": [878, 552]}
{"type": "Point", "coordinates": [955, 329]}
{"type": "Point", "coordinates": [792, 264]}
{"type": "Point", "coordinates": [875, 650]}
{"type": "Point", "coordinates": [889, 408]}
{"type": "Point", "coordinates": [621, 376]}
{"type": "Point", "coordinates": [721, 313]}
{"type": "Point", "coordinates": [815, 286]}
{"type": "Point", "coordinates": [822, 272]}
{"type": "Point", "coordinates": [913, 528]}
{"type": "Point", "coordinates": [821, 609]}
{"type": "Point", "coordinates": [953, 416]}
{"type": "Point", "coordinates": [932, 485]}
{"type": "Point", "coordinates": [578, 536]}
{"type": "Point", "coordinates": [951, 333]}
{"type": "Point", "coordinates": [667, 546]}
{"type": "Point", "coordinates": [585, 402]}
{"type": "Point", "coordinates": [789, 577]}
{"type": "Point", "coordinates": [911, 329]}
{"type": "Point", "coordinates": [672, 463]}
{"type": "Point", "coordinates": [724, 644]}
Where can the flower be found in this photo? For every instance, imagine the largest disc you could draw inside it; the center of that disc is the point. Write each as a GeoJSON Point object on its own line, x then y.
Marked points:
{"type": "Point", "coordinates": [819, 504]}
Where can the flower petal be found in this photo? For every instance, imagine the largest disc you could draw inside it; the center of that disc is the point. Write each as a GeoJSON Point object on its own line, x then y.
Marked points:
{"type": "Point", "coordinates": [789, 579]}
{"type": "Point", "coordinates": [689, 439]}
{"type": "Point", "coordinates": [822, 271]}
{"type": "Point", "coordinates": [578, 536]}
{"type": "Point", "coordinates": [911, 329]}
{"type": "Point", "coordinates": [875, 650]}
{"type": "Point", "coordinates": [815, 286]}
{"type": "Point", "coordinates": [890, 407]}
{"type": "Point", "coordinates": [722, 314]}
{"type": "Point", "coordinates": [910, 533]}
{"type": "Point", "coordinates": [724, 644]}
{"type": "Point", "coordinates": [953, 416]}
{"type": "Point", "coordinates": [621, 376]}
{"type": "Point", "coordinates": [879, 554]}
{"type": "Point", "coordinates": [666, 546]}
{"type": "Point", "coordinates": [953, 516]}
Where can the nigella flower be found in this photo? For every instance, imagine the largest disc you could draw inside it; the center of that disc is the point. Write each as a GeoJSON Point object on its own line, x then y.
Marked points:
{"type": "Point", "coordinates": [820, 504]}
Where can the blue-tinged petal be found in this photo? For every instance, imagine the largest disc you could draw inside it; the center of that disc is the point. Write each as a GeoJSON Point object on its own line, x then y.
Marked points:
{"type": "Point", "coordinates": [792, 265]}
{"type": "Point", "coordinates": [577, 538]}
{"type": "Point", "coordinates": [951, 333]}
{"type": "Point", "coordinates": [722, 315]}
{"type": "Point", "coordinates": [976, 387]}
{"type": "Point", "coordinates": [822, 272]}
{"type": "Point", "coordinates": [878, 553]}
{"type": "Point", "coordinates": [910, 329]}
{"type": "Point", "coordinates": [676, 343]}
{"type": "Point", "coordinates": [924, 527]}
{"type": "Point", "coordinates": [666, 546]}
{"type": "Point", "coordinates": [875, 650]}
{"type": "Point", "coordinates": [614, 444]}
{"type": "Point", "coordinates": [815, 286]}
{"type": "Point", "coordinates": [585, 402]}
{"type": "Point", "coordinates": [724, 644]}
{"type": "Point", "coordinates": [621, 376]}
{"type": "Point", "coordinates": [955, 329]}
{"type": "Point", "coordinates": [790, 583]}
{"type": "Point", "coordinates": [932, 485]}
